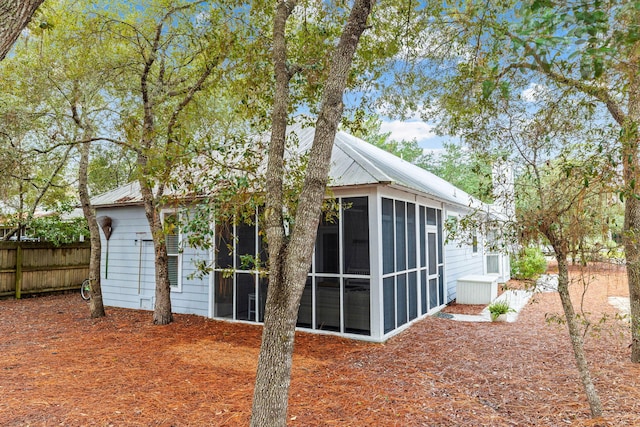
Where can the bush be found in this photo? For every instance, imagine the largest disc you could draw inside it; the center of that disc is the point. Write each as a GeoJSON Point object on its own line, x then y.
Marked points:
{"type": "Point", "coordinates": [58, 231]}
{"type": "Point", "coordinates": [528, 264]}
{"type": "Point", "coordinates": [499, 307]}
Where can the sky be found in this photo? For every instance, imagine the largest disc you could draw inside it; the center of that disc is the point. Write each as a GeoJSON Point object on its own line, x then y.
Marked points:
{"type": "Point", "coordinates": [422, 131]}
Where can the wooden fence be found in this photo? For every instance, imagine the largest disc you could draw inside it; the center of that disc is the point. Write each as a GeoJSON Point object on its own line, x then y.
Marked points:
{"type": "Point", "coordinates": [33, 268]}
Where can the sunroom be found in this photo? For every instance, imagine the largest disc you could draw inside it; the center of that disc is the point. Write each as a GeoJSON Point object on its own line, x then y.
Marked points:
{"type": "Point", "coordinates": [378, 264]}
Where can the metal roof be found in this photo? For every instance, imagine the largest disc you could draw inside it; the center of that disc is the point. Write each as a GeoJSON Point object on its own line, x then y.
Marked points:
{"type": "Point", "coordinates": [353, 162]}
{"type": "Point", "coordinates": [357, 162]}
{"type": "Point", "coordinates": [128, 194]}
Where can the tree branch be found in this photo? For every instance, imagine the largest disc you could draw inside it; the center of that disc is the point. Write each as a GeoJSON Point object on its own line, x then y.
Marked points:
{"type": "Point", "coordinates": [598, 92]}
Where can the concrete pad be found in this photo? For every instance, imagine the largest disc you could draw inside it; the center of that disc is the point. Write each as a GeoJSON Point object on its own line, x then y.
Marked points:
{"type": "Point", "coordinates": [623, 304]}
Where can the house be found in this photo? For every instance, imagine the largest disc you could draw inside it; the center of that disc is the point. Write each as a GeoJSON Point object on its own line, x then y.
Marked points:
{"type": "Point", "coordinates": [381, 265]}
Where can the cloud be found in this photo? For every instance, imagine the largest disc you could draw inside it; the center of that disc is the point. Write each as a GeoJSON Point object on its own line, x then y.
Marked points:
{"type": "Point", "coordinates": [532, 92]}
{"type": "Point", "coordinates": [408, 130]}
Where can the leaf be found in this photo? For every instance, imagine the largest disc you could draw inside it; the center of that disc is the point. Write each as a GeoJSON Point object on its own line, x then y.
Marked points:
{"type": "Point", "coordinates": [540, 41]}
{"type": "Point", "coordinates": [598, 67]}
{"type": "Point", "coordinates": [505, 89]}
{"type": "Point", "coordinates": [585, 69]}
{"type": "Point", "coordinates": [487, 88]}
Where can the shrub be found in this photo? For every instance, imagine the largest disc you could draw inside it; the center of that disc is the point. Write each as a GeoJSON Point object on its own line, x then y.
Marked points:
{"type": "Point", "coordinates": [528, 264]}
{"type": "Point", "coordinates": [499, 307]}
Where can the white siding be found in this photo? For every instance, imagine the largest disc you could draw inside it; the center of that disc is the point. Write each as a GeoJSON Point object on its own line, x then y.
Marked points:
{"type": "Point", "coordinates": [194, 296]}
{"type": "Point", "coordinates": [459, 260]}
{"type": "Point", "coordinates": [129, 278]}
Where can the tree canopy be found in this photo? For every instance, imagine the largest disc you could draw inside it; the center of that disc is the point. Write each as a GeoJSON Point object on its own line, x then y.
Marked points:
{"type": "Point", "coordinates": [174, 87]}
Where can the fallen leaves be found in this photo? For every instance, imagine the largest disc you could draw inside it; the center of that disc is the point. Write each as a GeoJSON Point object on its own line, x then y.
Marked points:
{"type": "Point", "coordinates": [60, 367]}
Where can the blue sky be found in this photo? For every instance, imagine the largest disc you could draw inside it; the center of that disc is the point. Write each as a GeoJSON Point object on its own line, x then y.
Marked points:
{"type": "Point", "coordinates": [422, 131]}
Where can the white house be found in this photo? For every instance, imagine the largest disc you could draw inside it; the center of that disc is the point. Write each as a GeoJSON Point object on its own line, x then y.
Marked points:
{"type": "Point", "coordinates": [380, 266]}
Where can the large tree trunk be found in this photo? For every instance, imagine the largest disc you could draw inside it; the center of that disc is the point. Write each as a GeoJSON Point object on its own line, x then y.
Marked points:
{"type": "Point", "coordinates": [270, 402]}
{"type": "Point", "coordinates": [631, 170]}
{"type": "Point", "coordinates": [632, 225]}
{"type": "Point", "coordinates": [575, 334]}
{"type": "Point", "coordinates": [14, 16]}
{"type": "Point", "coordinates": [289, 263]}
{"type": "Point", "coordinates": [162, 308]}
{"type": "Point", "coordinates": [96, 306]}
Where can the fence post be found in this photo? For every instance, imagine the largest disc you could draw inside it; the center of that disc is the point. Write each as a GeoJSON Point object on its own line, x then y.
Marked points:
{"type": "Point", "coordinates": [18, 271]}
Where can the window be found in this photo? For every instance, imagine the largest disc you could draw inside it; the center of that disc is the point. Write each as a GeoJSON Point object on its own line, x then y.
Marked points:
{"type": "Point", "coordinates": [337, 294]}
{"type": "Point", "coordinates": [357, 295]}
{"type": "Point", "coordinates": [413, 261]}
{"type": "Point", "coordinates": [327, 251]}
{"type": "Point", "coordinates": [388, 248]}
{"type": "Point", "coordinates": [355, 236]}
{"type": "Point", "coordinates": [401, 242]}
{"type": "Point", "coordinates": [411, 235]}
{"type": "Point", "coordinates": [172, 241]}
{"type": "Point", "coordinates": [239, 291]}
{"type": "Point", "coordinates": [474, 241]}
{"type": "Point", "coordinates": [493, 258]}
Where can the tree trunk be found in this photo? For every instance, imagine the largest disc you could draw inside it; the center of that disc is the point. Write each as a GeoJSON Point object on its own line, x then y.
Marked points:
{"type": "Point", "coordinates": [632, 255]}
{"type": "Point", "coordinates": [23, 220]}
{"type": "Point", "coordinates": [14, 16]}
{"type": "Point", "coordinates": [288, 273]}
{"type": "Point", "coordinates": [631, 171]}
{"type": "Point", "coordinates": [162, 309]}
{"type": "Point", "coordinates": [270, 401]}
{"type": "Point", "coordinates": [95, 305]}
{"type": "Point", "coordinates": [633, 276]}
{"type": "Point", "coordinates": [575, 334]}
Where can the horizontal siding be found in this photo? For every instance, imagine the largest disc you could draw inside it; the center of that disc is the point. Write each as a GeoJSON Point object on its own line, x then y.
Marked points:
{"type": "Point", "coordinates": [129, 278]}
{"type": "Point", "coordinates": [460, 261]}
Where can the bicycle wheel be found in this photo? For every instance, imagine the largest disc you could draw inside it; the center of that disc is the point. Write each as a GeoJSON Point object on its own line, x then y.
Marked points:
{"type": "Point", "coordinates": [85, 289]}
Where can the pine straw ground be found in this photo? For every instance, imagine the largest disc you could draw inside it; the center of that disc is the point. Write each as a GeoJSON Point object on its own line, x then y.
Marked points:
{"type": "Point", "coordinates": [59, 367]}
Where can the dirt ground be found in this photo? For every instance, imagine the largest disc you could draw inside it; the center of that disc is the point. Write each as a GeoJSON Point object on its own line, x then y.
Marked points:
{"type": "Point", "coordinates": [58, 367]}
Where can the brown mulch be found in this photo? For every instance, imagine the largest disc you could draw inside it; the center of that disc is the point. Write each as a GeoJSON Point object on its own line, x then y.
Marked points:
{"type": "Point", "coordinates": [455, 308]}
{"type": "Point", "coordinates": [475, 309]}
{"type": "Point", "coordinates": [58, 367]}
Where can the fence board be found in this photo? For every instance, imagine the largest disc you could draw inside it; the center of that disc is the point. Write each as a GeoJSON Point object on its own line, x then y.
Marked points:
{"type": "Point", "coordinates": [44, 267]}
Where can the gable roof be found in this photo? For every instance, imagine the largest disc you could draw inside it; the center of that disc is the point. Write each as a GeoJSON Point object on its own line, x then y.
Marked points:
{"type": "Point", "coordinates": [353, 162]}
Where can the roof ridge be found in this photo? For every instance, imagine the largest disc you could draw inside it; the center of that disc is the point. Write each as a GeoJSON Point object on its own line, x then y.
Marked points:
{"type": "Point", "coordinates": [343, 143]}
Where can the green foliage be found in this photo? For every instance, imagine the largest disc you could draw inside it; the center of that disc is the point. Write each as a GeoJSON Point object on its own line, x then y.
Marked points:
{"type": "Point", "coordinates": [528, 264]}
{"type": "Point", "coordinates": [367, 127]}
{"type": "Point", "coordinates": [109, 168]}
{"type": "Point", "coordinates": [498, 308]}
{"type": "Point", "coordinates": [468, 170]}
{"type": "Point", "coordinates": [57, 230]}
